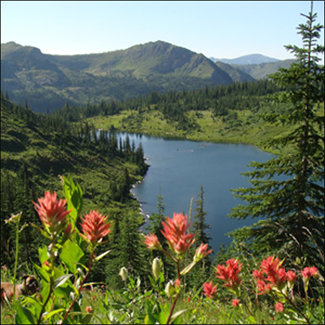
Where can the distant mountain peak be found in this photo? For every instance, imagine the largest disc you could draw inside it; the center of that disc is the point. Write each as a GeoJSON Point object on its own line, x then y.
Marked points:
{"type": "Point", "coordinates": [247, 59]}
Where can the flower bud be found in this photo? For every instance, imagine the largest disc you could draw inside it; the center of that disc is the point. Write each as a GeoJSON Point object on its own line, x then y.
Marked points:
{"type": "Point", "coordinates": [156, 268]}
{"type": "Point", "coordinates": [123, 273]}
{"type": "Point", "coordinates": [169, 289]}
{"type": "Point", "coordinates": [15, 218]}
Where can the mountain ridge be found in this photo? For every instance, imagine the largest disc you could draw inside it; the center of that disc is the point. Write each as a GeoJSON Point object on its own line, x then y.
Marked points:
{"type": "Point", "coordinates": [49, 81]}
{"type": "Point", "coordinates": [255, 58]}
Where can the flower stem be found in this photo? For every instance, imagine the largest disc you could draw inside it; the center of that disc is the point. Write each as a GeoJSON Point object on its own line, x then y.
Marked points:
{"type": "Point", "coordinates": [296, 308]}
{"type": "Point", "coordinates": [81, 284]}
{"type": "Point", "coordinates": [16, 260]}
{"type": "Point", "coordinates": [177, 294]}
{"type": "Point", "coordinates": [249, 311]}
{"type": "Point", "coordinates": [172, 309]}
{"type": "Point", "coordinates": [51, 280]}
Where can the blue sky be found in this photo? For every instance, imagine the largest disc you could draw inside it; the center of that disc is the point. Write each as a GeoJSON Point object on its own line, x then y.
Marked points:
{"type": "Point", "coordinates": [221, 29]}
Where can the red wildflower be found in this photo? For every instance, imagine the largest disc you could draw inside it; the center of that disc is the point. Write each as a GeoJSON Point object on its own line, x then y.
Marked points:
{"type": "Point", "coordinates": [95, 227]}
{"type": "Point", "coordinates": [201, 252]}
{"type": "Point", "coordinates": [279, 307]}
{"type": "Point", "coordinates": [258, 275]}
{"type": "Point", "coordinates": [263, 287]}
{"type": "Point", "coordinates": [88, 309]}
{"type": "Point", "coordinates": [152, 242]}
{"type": "Point", "coordinates": [51, 211]}
{"type": "Point", "coordinates": [235, 302]}
{"type": "Point", "coordinates": [209, 290]}
{"type": "Point", "coordinates": [175, 233]}
{"type": "Point", "coordinates": [275, 274]}
{"type": "Point", "coordinates": [46, 263]}
{"type": "Point", "coordinates": [291, 277]}
{"type": "Point", "coordinates": [309, 272]}
{"type": "Point", "coordinates": [229, 274]}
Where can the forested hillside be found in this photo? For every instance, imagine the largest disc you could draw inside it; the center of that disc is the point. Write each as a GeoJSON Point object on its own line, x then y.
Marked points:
{"type": "Point", "coordinates": [49, 81]}
{"type": "Point", "coordinates": [35, 149]}
{"type": "Point", "coordinates": [220, 114]}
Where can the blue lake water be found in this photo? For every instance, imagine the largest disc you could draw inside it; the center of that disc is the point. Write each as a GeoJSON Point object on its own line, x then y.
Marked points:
{"type": "Point", "coordinates": [179, 167]}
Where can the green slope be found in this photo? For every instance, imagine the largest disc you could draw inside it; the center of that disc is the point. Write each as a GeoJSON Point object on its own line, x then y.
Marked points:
{"type": "Point", "coordinates": [45, 154]}
{"type": "Point", "coordinates": [49, 81]}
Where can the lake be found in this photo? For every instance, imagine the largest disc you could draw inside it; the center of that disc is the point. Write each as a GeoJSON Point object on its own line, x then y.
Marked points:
{"type": "Point", "coordinates": [179, 167]}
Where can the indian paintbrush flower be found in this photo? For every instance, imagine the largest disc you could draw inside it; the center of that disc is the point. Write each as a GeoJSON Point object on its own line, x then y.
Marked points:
{"type": "Point", "coordinates": [94, 227]}
{"type": "Point", "coordinates": [52, 212]}
{"type": "Point", "coordinates": [201, 252]}
{"type": "Point", "coordinates": [279, 307]}
{"type": "Point", "coordinates": [235, 302]}
{"type": "Point", "coordinates": [309, 272]}
{"type": "Point", "coordinates": [175, 233]}
{"type": "Point", "coordinates": [258, 275]}
{"type": "Point", "coordinates": [152, 242]}
{"type": "Point", "coordinates": [229, 274]}
{"type": "Point", "coordinates": [291, 277]}
{"type": "Point", "coordinates": [276, 275]}
{"type": "Point", "coordinates": [210, 290]}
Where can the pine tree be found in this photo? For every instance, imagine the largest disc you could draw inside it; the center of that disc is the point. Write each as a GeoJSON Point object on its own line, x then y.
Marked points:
{"type": "Point", "coordinates": [291, 207]}
{"type": "Point", "coordinates": [199, 227]}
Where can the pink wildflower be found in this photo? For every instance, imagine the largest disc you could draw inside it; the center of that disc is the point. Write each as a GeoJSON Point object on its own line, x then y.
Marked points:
{"type": "Point", "coordinates": [94, 227]}
{"type": "Point", "coordinates": [275, 274]}
{"type": "Point", "coordinates": [201, 252]}
{"type": "Point", "coordinates": [258, 275]}
{"type": "Point", "coordinates": [279, 307]}
{"type": "Point", "coordinates": [235, 302]}
{"type": "Point", "coordinates": [309, 272]}
{"type": "Point", "coordinates": [51, 211]}
{"type": "Point", "coordinates": [291, 277]}
{"type": "Point", "coordinates": [229, 274]}
{"type": "Point", "coordinates": [209, 290]}
{"type": "Point", "coordinates": [152, 242]}
{"type": "Point", "coordinates": [175, 233]}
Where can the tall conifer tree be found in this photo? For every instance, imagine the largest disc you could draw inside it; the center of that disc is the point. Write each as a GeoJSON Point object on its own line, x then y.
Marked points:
{"type": "Point", "coordinates": [291, 207]}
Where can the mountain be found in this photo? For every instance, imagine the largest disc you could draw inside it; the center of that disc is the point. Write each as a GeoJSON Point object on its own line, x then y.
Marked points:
{"type": "Point", "coordinates": [260, 71]}
{"type": "Point", "coordinates": [49, 81]}
{"type": "Point", "coordinates": [247, 59]}
{"type": "Point", "coordinates": [235, 73]}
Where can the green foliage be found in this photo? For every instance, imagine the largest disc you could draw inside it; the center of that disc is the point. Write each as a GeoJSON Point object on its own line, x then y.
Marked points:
{"type": "Point", "coordinates": [50, 81]}
{"type": "Point", "coordinates": [291, 207]}
{"type": "Point", "coordinates": [36, 149]}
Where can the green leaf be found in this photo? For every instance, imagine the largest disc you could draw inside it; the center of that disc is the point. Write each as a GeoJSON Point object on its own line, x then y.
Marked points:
{"type": "Point", "coordinates": [176, 315]}
{"type": "Point", "coordinates": [102, 255]}
{"type": "Point", "coordinates": [61, 280]}
{"type": "Point", "coordinates": [86, 319]}
{"type": "Point", "coordinates": [73, 194]}
{"type": "Point", "coordinates": [251, 320]}
{"type": "Point", "coordinates": [43, 274]}
{"type": "Point", "coordinates": [43, 232]}
{"type": "Point", "coordinates": [71, 254]}
{"type": "Point", "coordinates": [24, 316]}
{"type": "Point", "coordinates": [43, 254]}
{"type": "Point", "coordinates": [53, 312]}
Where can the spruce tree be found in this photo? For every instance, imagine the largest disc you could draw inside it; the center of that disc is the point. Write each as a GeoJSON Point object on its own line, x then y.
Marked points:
{"type": "Point", "coordinates": [199, 228]}
{"type": "Point", "coordinates": [288, 191]}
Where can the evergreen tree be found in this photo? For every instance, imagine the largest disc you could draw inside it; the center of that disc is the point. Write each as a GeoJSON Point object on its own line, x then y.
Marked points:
{"type": "Point", "coordinates": [291, 207]}
{"type": "Point", "coordinates": [199, 227]}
